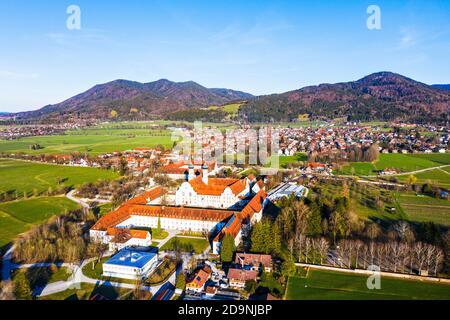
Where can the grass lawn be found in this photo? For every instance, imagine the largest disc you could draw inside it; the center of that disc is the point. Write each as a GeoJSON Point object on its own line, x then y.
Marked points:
{"type": "Point", "coordinates": [17, 217]}
{"type": "Point", "coordinates": [330, 285]}
{"type": "Point", "coordinates": [442, 158]}
{"type": "Point", "coordinates": [24, 177]}
{"type": "Point", "coordinates": [402, 162]}
{"type": "Point", "coordinates": [425, 208]}
{"type": "Point", "coordinates": [159, 234]}
{"type": "Point", "coordinates": [186, 244]}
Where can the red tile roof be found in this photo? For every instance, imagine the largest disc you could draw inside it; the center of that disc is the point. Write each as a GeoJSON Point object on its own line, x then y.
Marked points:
{"type": "Point", "coordinates": [216, 186]}
{"type": "Point", "coordinates": [242, 275]}
{"type": "Point", "coordinates": [199, 279]}
{"type": "Point", "coordinates": [254, 206]}
{"type": "Point", "coordinates": [253, 259]}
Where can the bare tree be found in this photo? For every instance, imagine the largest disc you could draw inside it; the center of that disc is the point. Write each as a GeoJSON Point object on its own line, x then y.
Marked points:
{"type": "Point", "coordinates": [358, 245]}
{"type": "Point", "coordinates": [419, 254]}
{"type": "Point", "coordinates": [438, 259]}
{"type": "Point", "coordinates": [323, 247]}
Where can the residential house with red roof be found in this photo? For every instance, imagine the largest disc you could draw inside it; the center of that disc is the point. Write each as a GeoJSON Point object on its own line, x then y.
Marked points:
{"type": "Point", "coordinates": [198, 281]}
{"type": "Point", "coordinates": [237, 278]}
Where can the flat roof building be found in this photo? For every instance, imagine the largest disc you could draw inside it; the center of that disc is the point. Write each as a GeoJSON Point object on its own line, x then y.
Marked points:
{"type": "Point", "coordinates": [130, 264]}
{"type": "Point", "coordinates": [285, 190]}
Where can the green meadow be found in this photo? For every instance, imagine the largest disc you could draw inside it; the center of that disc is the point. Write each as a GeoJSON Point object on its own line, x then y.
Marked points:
{"type": "Point", "coordinates": [29, 177]}
{"type": "Point", "coordinates": [440, 177]}
{"type": "Point", "coordinates": [331, 285]}
{"type": "Point", "coordinates": [402, 162]}
{"type": "Point", "coordinates": [186, 244]}
{"type": "Point", "coordinates": [17, 217]}
{"type": "Point", "coordinates": [91, 142]}
{"type": "Point", "coordinates": [286, 160]}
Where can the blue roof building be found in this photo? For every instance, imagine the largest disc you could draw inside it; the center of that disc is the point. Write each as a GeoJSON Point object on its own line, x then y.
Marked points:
{"type": "Point", "coordinates": [130, 264]}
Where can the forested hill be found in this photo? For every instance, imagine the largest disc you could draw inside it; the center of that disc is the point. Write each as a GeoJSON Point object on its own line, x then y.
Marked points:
{"type": "Point", "coordinates": [379, 96]}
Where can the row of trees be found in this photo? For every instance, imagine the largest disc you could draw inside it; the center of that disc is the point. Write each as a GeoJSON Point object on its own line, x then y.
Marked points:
{"type": "Point", "coordinates": [391, 256]}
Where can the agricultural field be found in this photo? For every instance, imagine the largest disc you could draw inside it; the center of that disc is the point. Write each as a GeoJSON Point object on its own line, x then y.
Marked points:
{"type": "Point", "coordinates": [425, 208]}
{"type": "Point", "coordinates": [94, 143]}
{"type": "Point", "coordinates": [29, 177]}
{"type": "Point", "coordinates": [330, 285]}
{"type": "Point", "coordinates": [402, 162]}
{"type": "Point", "coordinates": [286, 160]}
{"type": "Point", "coordinates": [231, 109]}
{"type": "Point", "coordinates": [17, 217]}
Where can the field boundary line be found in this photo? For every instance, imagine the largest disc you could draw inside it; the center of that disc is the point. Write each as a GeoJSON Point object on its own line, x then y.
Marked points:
{"type": "Point", "coordinates": [383, 273]}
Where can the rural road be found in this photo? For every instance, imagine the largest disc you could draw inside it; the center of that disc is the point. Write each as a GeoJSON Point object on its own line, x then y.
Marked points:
{"type": "Point", "coordinates": [71, 196]}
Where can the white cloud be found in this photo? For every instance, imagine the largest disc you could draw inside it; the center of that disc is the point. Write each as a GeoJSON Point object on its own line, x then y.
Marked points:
{"type": "Point", "coordinates": [408, 38]}
{"type": "Point", "coordinates": [18, 75]}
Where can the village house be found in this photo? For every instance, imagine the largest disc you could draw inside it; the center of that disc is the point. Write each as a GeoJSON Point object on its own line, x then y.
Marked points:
{"type": "Point", "coordinates": [198, 281]}
{"type": "Point", "coordinates": [237, 278]}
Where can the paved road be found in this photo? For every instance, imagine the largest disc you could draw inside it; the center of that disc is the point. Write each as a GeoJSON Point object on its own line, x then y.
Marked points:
{"type": "Point", "coordinates": [71, 196]}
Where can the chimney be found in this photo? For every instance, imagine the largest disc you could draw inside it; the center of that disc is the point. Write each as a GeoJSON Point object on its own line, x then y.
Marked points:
{"type": "Point", "coordinates": [205, 173]}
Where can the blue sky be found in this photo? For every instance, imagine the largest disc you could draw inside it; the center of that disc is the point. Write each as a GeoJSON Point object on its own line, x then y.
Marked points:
{"type": "Point", "coordinates": [256, 46]}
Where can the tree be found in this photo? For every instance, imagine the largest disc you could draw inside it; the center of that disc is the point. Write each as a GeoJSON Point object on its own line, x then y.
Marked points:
{"type": "Point", "coordinates": [114, 114]}
{"type": "Point", "coordinates": [123, 166]}
{"type": "Point", "coordinates": [411, 179]}
{"type": "Point", "coordinates": [227, 249]}
{"type": "Point", "coordinates": [250, 286]}
{"type": "Point", "coordinates": [22, 288]}
{"type": "Point", "coordinates": [158, 229]}
{"type": "Point", "coordinates": [276, 238]}
{"type": "Point", "coordinates": [288, 268]}
{"type": "Point", "coordinates": [314, 221]}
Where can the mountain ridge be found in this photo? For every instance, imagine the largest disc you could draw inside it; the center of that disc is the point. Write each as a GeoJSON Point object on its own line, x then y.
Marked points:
{"type": "Point", "coordinates": [378, 96]}
{"type": "Point", "coordinates": [129, 98]}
